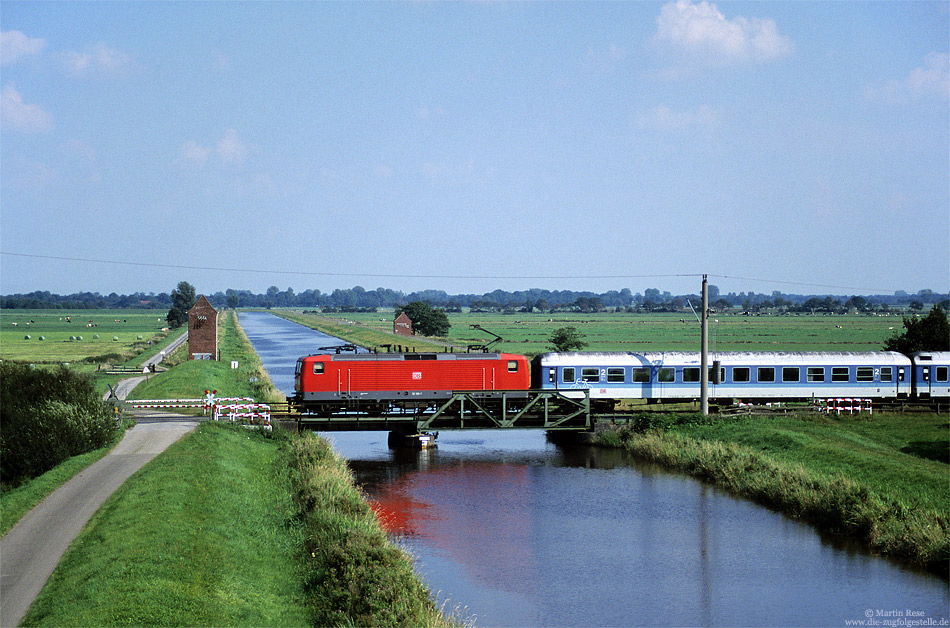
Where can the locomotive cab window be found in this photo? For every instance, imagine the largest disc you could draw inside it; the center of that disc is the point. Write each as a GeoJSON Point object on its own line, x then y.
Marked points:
{"type": "Point", "coordinates": [766, 373]}
{"type": "Point", "coordinates": [512, 366]}
{"type": "Point", "coordinates": [567, 375]}
{"type": "Point", "coordinates": [641, 375]}
{"type": "Point", "coordinates": [815, 374]}
{"type": "Point", "coordinates": [790, 374]}
{"type": "Point", "coordinates": [590, 374]}
{"type": "Point", "coordinates": [615, 374]}
{"type": "Point", "coordinates": [318, 368]}
{"type": "Point", "coordinates": [741, 374]}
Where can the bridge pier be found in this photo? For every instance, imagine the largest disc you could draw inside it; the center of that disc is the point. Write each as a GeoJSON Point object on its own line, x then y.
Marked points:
{"type": "Point", "coordinates": [411, 440]}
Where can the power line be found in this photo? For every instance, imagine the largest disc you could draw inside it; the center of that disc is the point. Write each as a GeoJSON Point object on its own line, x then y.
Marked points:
{"type": "Point", "coordinates": [339, 274]}
{"type": "Point", "coordinates": [436, 276]}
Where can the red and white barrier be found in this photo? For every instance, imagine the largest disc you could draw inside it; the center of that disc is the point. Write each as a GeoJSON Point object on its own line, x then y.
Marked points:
{"type": "Point", "coordinates": [253, 413]}
{"type": "Point", "coordinates": [168, 403]}
{"type": "Point", "coordinates": [849, 405]}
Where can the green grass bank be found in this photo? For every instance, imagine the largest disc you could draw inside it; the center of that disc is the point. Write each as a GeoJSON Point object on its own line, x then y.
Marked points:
{"type": "Point", "coordinates": [882, 480]}
{"type": "Point", "coordinates": [231, 527]}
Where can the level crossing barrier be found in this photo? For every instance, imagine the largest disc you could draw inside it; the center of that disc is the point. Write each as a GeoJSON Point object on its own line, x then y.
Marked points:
{"type": "Point", "coordinates": [253, 413]}
{"type": "Point", "coordinates": [845, 404]}
{"type": "Point", "coordinates": [168, 403]}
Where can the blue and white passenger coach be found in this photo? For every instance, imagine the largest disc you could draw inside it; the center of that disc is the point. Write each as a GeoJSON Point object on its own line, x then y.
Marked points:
{"type": "Point", "coordinates": [931, 378]}
{"type": "Point", "coordinates": [742, 375]}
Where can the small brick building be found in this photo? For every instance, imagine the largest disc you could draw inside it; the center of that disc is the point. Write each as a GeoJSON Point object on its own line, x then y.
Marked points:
{"type": "Point", "coordinates": [202, 331]}
{"type": "Point", "coordinates": [402, 325]}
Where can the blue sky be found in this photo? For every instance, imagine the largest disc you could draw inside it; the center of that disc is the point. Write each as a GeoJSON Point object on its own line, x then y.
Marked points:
{"type": "Point", "coordinates": [793, 146]}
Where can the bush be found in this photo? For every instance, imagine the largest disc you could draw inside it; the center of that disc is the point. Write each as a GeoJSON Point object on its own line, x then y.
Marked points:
{"type": "Point", "coordinates": [46, 417]}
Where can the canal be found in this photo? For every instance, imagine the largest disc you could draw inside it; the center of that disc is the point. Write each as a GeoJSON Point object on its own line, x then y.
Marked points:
{"type": "Point", "coordinates": [511, 530]}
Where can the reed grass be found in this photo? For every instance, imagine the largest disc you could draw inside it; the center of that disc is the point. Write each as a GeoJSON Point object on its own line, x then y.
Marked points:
{"type": "Point", "coordinates": [353, 575]}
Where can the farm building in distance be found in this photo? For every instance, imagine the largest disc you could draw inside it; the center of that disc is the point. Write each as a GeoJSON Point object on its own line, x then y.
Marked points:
{"type": "Point", "coordinates": [202, 331]}
{"type": "Point", "coordinates": [402, 326]}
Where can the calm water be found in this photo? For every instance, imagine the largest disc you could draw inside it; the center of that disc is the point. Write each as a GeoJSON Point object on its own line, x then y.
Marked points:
{"type": "Point", "coordinates": [514, 531]}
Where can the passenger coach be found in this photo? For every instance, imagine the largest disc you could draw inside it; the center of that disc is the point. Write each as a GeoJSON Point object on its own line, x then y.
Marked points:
{"type": "Point", "coordinates": [931, 376]}
{"type": "Point", "coordinates": [741, 375]}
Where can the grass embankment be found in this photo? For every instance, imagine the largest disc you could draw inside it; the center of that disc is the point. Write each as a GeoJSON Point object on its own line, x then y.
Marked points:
{"type": "Point", "coordinates": [882, 480]}
{"type": "Point", "coordinates": [230, 527]}
{"type": "Point", "coordinates": [353, 574]}
{"type": "Point", "coordinates": [190, 378]}
{"type": "Point", "coordinates": [203, 535]}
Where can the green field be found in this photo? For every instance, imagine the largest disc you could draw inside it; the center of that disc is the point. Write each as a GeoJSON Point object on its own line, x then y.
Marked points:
{"type": "Point", "coordinates": [55, 336]}
{"type": "Point", "coordinates": [528, 333]}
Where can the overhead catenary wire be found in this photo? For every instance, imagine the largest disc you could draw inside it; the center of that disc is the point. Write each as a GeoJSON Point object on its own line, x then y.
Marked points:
{"type": "Point", "coordinates": [367, 275]}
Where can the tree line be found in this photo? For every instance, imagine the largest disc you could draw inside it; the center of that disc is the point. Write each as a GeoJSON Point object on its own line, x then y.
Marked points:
{"type": "Point", "coordinates": [535, 300]}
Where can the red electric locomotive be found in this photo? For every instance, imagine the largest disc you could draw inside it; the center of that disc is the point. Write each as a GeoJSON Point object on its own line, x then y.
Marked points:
{"type": "Point", "coordinates": [384, 381]}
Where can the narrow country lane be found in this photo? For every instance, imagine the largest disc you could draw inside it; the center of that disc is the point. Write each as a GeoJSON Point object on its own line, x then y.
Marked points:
{"type": "Point", "coordinates": [32, 549]}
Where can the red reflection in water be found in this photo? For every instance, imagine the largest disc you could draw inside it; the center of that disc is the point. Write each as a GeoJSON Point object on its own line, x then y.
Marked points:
{"type": "Point", "coordinates": [489, 504]}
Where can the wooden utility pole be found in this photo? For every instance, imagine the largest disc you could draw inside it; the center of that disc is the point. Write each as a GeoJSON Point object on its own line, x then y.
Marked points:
{"type": "Point", "coordinates": [704, 352]}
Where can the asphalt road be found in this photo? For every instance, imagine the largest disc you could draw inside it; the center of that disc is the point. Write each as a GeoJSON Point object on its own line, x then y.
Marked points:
{"type": "Point", "coordinates": [32, 549]}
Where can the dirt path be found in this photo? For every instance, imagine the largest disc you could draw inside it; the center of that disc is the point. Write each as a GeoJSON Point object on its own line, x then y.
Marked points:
{"type": "Point", "coordinates": [32, 549]}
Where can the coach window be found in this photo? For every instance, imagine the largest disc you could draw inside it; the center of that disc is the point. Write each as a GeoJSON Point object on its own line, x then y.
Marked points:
{"type": "Point", "coordinates": [790, 374]}
{"type": "Point", "coordinates": [865, 374]}
{"type": "Point", "coordinates": [712, 375]}
{"type": "Point", "coordinates": [615, 374]}
{"type": "Point", "coordinates": [887, 373]}
{"type": "Point", "coordinates": [815, 374]}
{"type": "Point", "coordinates": [590, 374]}
{"type": "Point", "coordinates": [840, 374]}
{"type": "Point", "coordinates": [567, 375]}
{"type": "Point", "coordinates": [691, 374]}
{"type": "Point", "coordinates": [641, 375]}
{"type": "Point", "coordinates": [665, 375]}
{"type": "Point", "coordinates": [943, 372]}
{"type": "Point", "coordinates": [512, 366]}
{"type": "Point", "coordinates": [318, 368]}
{"type": "Point", "coordinates": [741, 374]}
{"type": "Point", "coordinates": [766, 374]}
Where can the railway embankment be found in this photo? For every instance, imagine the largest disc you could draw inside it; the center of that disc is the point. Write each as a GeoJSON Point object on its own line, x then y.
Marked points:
{"type": "Point", "coordinates": [881, 480]}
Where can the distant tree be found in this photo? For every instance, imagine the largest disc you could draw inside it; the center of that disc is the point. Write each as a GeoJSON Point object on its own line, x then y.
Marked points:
{"type": "Point", "coordinates": [233, 299]}
{"type": "Point", "coordinates": [426, 320]}
{"type": "Point", "coordinates": [183, 299]}
{"type": "Point", "coordinates": [930, 333]}
{"type": "Point", "coordinates": [916, 305]}
{"type": "Point", "coordinates": [567, 339]}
